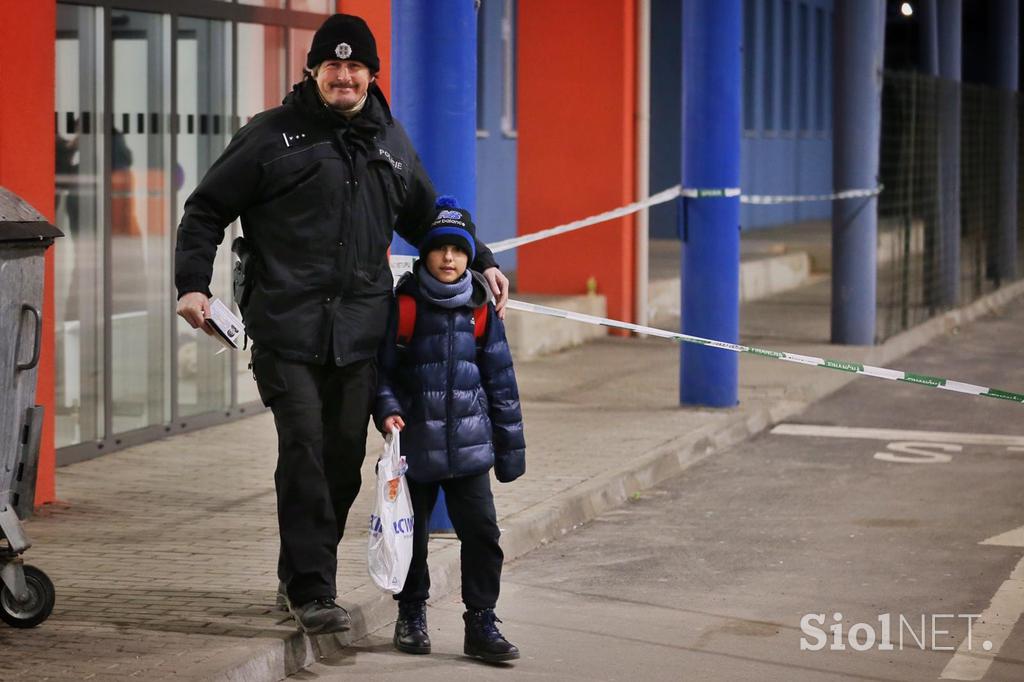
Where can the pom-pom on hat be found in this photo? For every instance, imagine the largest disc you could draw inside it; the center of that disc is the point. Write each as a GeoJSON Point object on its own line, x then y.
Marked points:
{"type": "Point", "coordinates": [452, 225]}
{"type": "Point", "coordinates": [344, 36]}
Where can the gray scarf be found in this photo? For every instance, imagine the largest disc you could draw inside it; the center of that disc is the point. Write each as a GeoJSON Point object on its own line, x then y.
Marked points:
{"type": "Point", "coordinates": [454, 295]}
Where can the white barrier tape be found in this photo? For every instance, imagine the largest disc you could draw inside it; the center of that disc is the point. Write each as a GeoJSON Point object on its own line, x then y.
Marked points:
{"type": "Point", "coordinates": [841, 365]}
{"type": "Point", "coordinates": [662, 197]}
{"type": "Point", "coordinates": [763, 199]}
{"type": "Point", "coordinates": [671, 194]}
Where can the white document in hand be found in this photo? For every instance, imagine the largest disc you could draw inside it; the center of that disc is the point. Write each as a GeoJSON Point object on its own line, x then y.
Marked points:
{"type": "Point", "coordinates": [228, 328]}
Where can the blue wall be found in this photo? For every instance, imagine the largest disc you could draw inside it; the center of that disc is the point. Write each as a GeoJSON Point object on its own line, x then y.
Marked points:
{"type": "Point", "coordinates": [495, 149]}
{"type": "Point", "coordinates": [787, 117]}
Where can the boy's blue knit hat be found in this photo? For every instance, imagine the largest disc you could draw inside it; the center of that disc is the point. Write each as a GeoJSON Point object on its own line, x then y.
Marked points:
{"type": "Point", "coordinates": [452, 225]}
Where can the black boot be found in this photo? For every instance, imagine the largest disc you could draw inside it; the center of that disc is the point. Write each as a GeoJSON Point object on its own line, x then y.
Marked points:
{"type": "Point", "coordinates": [321, 616]}
{"type": "Point", "coordinates": [411, 628]}
{"type": "Point", "coordinates": [483, 640]}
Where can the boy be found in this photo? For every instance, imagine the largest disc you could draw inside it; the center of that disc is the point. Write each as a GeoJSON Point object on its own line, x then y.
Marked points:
{"type": "Point", "coordinates": [450, 386]}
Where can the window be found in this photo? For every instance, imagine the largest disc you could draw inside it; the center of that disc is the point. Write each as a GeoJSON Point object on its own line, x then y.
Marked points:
{"type": "Point", "coordinates": [806, 88]}
{"type": "Point", "coordinates": [481, 73]}
{"type": "Point", "coordinates": [321, 6]}
{"type": "Point", "coordinates": [749, 64]}
{"type": "Point", "coordinates": [204, 105]}
{"type": "Point", "coordinates": [78, 257]}
{"type": "Point", "coordinates": [787, 66]}
{"type": "Point", "coordinates": [509, 77]}
{"type": "Point", "coordinates": [769, 65]}
{"type": "Point", "coordinates": [823, 71]}
{"type": "Point", "coordinates": [129, 149]}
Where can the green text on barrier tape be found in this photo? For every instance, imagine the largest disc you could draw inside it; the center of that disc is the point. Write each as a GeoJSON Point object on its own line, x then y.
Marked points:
{"type": "Point", "coordinates": [844, 366]}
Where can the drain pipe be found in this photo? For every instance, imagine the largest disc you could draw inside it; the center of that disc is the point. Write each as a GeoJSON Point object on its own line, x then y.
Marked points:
{"type": "Point", "coordinates": [643, 157]}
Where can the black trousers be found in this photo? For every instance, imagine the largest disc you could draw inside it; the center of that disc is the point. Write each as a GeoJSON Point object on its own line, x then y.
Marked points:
{"type": "Point", "coordinates": [471, 509]}
{"type": "Point", "coordinates": [321, 413]}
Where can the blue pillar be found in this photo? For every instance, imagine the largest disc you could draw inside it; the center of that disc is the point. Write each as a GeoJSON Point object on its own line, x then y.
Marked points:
{"type": "Point", "coordinates": [434, 96]}
{"type": "Point", "coordinates": [859, 30]}
{"type": "Point", "coordinates": [950, 32]}
{"type": "Point", "coordinates": [1004, 22]}
{"type": "Point", "coordinates": [433, 92]}
{"type": "Point", "coordinates": [712, 34]}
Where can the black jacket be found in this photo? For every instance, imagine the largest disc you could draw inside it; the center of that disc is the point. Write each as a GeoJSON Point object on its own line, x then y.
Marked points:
{"type": "Point", "coordinates": [319, 197]}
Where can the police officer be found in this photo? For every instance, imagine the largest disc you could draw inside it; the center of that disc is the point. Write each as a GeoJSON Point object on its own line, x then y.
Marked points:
{"type": "Point", "coordinates": [320, 183]}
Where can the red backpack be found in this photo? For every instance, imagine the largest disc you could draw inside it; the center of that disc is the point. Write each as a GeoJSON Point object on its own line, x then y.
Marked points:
{"type": "Point", "coordinates": [407, 319]}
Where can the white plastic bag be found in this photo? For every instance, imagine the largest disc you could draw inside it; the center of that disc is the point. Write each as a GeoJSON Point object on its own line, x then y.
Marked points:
{"type": "Point", "coordinates": [389, 551]}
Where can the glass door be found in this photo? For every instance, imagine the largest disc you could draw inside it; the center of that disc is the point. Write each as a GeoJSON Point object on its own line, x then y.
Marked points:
{"type": "Point", "coordinates": [203, 128]}
{"type": "Point", "coordinates": [141, 237]}
{"type": "Point", "coordinates": [78, 258]}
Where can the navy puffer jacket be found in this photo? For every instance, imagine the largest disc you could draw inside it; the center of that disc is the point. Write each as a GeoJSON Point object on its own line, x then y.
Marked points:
{"type": "Point", "coordinates": [457, 394]}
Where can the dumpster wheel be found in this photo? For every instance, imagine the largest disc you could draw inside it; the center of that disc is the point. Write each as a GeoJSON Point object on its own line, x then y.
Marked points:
{"type": "Point", "coordinates": [39, 605]}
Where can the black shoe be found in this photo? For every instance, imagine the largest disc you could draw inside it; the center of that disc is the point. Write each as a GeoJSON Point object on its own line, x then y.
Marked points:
{"type": "Point", "coordinates": [483, 640]}
{"type": "Point", "coordinates": [411, 628]}
{"type": "Point", "coordinates": [321, 616]}
{"type": "Point", "coordinates": [281, 601]}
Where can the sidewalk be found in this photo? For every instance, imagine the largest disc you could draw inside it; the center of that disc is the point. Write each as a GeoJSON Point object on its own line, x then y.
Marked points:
{"type": "Point", "coordinates": [164, 555]}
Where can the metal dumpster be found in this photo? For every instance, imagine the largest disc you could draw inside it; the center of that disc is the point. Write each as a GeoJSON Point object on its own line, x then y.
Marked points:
{"type": "Point", "coordinates": [26, 593]}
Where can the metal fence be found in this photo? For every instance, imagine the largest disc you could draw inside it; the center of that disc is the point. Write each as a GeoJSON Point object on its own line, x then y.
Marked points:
{"type": "Point", "coordinates": [920, 115]}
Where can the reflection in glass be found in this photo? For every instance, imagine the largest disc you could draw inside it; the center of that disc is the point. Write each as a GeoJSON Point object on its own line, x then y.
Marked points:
{"type": "Point", "coordinates": [204, 113]}
{"type": "Point", "coordinates": [139, 230]}
{"type": "Point", "coordinates": [262, 84]}
{"type": "Point", "coordinates": [279, 4]}
{"type": "Point", "coordinates": [78, 258]}
{"type": "Point", "coordinates": [300, 39]}
{"type": "Point", "coordinates": [324, 6]}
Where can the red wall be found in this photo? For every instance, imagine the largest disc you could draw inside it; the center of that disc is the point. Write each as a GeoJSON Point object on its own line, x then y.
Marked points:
{"type": "Point", "coordinates": [27, 34]}
{"type": "Point", "coordinates": [377, 14]}
{"type": "Point", "coordinates": [577, 102]}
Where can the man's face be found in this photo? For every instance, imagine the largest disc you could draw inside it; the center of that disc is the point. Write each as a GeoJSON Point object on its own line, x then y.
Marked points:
{"type": "Point", "coordinates": [342, 82]}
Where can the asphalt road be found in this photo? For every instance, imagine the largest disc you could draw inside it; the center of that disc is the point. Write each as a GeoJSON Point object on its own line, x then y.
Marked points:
{"type": "Point", "coordinates": [710, 576]}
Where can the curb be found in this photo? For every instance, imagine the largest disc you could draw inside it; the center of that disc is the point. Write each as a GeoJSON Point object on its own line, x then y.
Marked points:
{"type": "Point", "coordinates": [563, 513]}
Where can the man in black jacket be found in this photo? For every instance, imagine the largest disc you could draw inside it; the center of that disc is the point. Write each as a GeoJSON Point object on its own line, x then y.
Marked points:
{"type": "Point", "coordinates": [320, 184]}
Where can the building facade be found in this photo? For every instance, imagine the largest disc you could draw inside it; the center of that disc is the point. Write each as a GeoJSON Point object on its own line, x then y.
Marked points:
{"type": "Point", "coordinates": [111, 111]}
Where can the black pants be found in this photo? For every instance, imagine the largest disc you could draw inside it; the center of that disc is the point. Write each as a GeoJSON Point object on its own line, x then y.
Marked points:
{"type": "Point", "coordinates": [321, 413]}
{"type": "Point", "coordinates": [471, 509]}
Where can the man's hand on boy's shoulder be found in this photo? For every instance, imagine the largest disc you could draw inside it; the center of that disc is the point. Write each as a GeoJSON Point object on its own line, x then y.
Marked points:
{"type": "Point", "coordinates": [499, 287]}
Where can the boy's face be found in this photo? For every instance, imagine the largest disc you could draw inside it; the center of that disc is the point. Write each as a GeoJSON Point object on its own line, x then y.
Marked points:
{"type": "Point", "coordinates": [447, 263]}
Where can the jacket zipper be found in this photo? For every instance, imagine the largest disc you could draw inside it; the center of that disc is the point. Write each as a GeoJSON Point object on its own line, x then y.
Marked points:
{"type": "Point", "coordinates": [448, 392]}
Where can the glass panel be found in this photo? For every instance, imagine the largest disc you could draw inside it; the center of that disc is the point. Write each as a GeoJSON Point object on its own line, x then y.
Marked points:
{"type": "Point", "coordinates": [805, 90]}
{"type": "Point", "coordinates": [769, 64]}
{"type": "Point", "coordinates": [78, 257]}
{"type": "Point", "coordinates": [749, 63]}
{"type": "Point", "coordinates": [263, 3]}
{"type": "Point", "coordinates": [204, 109]}
{"type": "Point", "coordinates": [260, 50]}
{"type": "Point", "coordinates": [787, 65]}
{"type": "Point", "coordinates": [300, 39]}
{"type": "Point", "coordinates": [510, 85]}
{"type": "Point", "coordinates": [324, 6]}
{"type": "Point", "coordinates": [139, 221]}
{"type": "Point", "coordinates": [481, 70]}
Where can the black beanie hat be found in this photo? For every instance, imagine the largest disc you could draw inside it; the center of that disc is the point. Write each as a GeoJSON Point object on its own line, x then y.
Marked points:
{"type": "Point", "coordinates": [344, 36]}
{"type": "Point", "coordinates": [452, 225]}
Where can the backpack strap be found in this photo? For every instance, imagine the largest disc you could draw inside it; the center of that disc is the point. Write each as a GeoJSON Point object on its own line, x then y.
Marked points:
{"type": "Point", "coordinates": [406, 318]}
{"type": "Point", "coordinates": [479, 322]}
